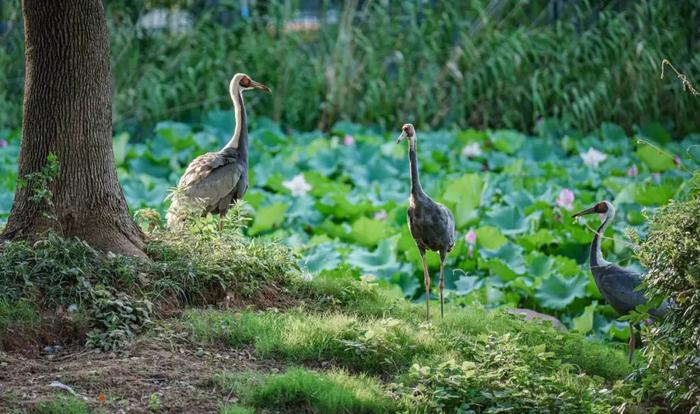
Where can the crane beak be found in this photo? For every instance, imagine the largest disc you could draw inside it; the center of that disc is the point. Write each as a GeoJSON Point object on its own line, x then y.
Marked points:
{"type": "Point", "coordinates": [584, 212]}
{"type": "Point", "coordinates": [258, 85]}
{"type": "Point", "coordinates": [401, 137]}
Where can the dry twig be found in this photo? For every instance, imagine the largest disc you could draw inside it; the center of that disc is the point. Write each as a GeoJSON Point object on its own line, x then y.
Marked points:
{"type": "Point", "coordinates": [684, 79]}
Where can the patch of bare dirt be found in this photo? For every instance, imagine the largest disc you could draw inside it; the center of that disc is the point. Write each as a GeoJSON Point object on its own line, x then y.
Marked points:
{"type": "Point", "coordinates": [54, 327]}
{"type": "Point", "coordinates": [167, 373]}
{"type": "Point", "coordinates": [268, 296]}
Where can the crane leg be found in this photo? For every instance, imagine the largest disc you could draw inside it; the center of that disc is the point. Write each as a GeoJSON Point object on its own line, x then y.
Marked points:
{"type": "Point", "coordinates": [221, 222]}
{"type": "Point", "coordinates": [426, 280]}
{"type": "Point", "coordinates": [442, 284]}
{"type": "Point", "coordinates": [632, 344]}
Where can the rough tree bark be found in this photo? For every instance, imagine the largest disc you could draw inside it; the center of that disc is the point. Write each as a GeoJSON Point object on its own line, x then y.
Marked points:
{"type": "Point", "coordinates": [68, 112]}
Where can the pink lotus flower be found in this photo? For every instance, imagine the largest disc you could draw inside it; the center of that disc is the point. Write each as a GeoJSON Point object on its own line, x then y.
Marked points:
{"type": "Point", "coordinates": [348, 140]}
{"type": "Point", "coordinates": [3, 143]}
{"type": "Point", "coordinates": [566, 199]}
{"type": "Point", "coordinates": [633, 171]}
{"type": "Point", "coordinates": [470, 237]}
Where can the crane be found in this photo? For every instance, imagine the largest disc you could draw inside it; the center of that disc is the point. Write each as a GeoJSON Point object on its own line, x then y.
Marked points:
{"type": "Point", "coordinates": [619, 287]}
{"type": "Point", "coordinates": [214, 180]}
{"type": "Point", "coordinates": [431, 224]}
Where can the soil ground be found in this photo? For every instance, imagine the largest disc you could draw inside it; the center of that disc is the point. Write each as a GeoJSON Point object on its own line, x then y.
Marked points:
{"type": "Point", "coordinates": [164, 374]}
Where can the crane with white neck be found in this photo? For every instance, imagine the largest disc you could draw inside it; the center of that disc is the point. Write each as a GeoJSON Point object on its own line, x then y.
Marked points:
{"type": "Point", "coordinates": [214, 180]}
{"type": "Point", "coordinates": [619, 287]}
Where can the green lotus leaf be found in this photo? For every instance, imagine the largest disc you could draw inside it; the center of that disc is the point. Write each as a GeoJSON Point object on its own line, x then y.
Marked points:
{"type": "Point", "coordinates": [584, 322]}
{"type": "Point", "coordinates": [507, 141]}
{"type": "Point", "coordinates": [368, 232]}
{"type": "Point", "coordinates": [557, 292]}
{"type": "Point", "coordinates": [656, 160]}
{"type": "Point", "coordinates": [464, 196]}
{"type": "Point", "coordinates": [490, 237]}
{"type": "Point", "coordinates": [267, 218]}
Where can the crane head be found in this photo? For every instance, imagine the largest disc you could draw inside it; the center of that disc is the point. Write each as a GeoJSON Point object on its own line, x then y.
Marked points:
{"type": "Point", "coordinates": [241, 81]}
{"type": "Point", "coordinates": [603, 208]}
{"type": "Point", "coordinates": [407, 131]}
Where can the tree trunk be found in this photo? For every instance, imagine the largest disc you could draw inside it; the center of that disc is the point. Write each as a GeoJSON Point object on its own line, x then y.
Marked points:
{"type": "Point", "coordinates": [68, 112]}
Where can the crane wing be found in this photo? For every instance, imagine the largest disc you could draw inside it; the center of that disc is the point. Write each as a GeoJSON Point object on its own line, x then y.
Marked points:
{"type": "Point", "coordinates": [432, 225]}
{"type": "Point", "coordinates": [450, 225]}
{"type": "Point", "coordinates": [619, 287]}
{"type": "Point", "coordinates": [208, 179]}
{"type": "Point", "coordinates": [202, 166]}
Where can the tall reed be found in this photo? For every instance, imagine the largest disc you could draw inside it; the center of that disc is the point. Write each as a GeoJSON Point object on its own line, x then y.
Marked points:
{"type": "Point", "coordinates": [481, 63]}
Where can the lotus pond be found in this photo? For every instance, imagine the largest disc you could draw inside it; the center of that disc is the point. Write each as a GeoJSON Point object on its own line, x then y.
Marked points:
{"type": "Point", "coordinates": [340, 200]}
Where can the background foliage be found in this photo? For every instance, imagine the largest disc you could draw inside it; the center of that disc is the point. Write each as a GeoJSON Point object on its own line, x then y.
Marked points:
{"type": "Point", "coordinates": [440, 63]}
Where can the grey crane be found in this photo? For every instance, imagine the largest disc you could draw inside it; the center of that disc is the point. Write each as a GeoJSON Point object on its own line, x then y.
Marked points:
{"type": "Point", "coordinates": [214, 180]}
{"type": "Point", "coordinates": [619, 287]}
{"type": "Point", "coordinates": [431, 224]}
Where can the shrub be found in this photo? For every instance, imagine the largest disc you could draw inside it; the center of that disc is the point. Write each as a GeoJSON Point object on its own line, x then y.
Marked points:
{"type": "Point", "coordinates": [671, 253]}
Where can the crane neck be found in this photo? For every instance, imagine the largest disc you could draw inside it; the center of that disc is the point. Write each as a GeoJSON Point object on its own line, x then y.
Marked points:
{"type": "Point", "coordinates": [239, 140]}
{"type": "Point", "coordinates": [596, 258]}
{"type": "Point", "coordinates": [413, 162]}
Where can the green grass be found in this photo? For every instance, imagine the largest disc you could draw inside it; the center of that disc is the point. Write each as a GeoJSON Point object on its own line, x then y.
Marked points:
{"type": "Point", "coordinates": [62, 405]}
{"type": "Point", "coordinates": [371, 345]}
{"type": "Point", "coordinates": [362, 341]}
{"type": "Point", "coordinates": [236, 409]}
{"type": "Point", "coordinates": [17, 314]}
{"type": "Point", "coordinates": [304, 390]}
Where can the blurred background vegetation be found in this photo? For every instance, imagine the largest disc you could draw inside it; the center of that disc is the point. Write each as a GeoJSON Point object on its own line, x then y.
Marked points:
{"type": "Point", "coordinates": [478, 63]}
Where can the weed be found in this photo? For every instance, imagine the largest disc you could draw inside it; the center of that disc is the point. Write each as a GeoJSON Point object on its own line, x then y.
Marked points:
{"type": "Point", "coordinates": [38, 184]}
{"type": "Point", "coordinates": [154, 404]}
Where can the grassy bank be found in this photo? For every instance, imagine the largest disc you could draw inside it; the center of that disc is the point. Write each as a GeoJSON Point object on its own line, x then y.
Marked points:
{"type": "Point", "coordinates": [245, 331]}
